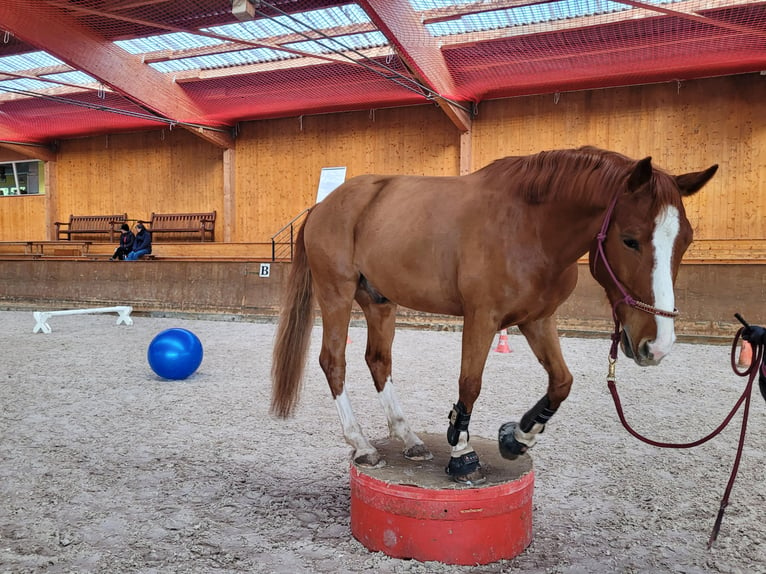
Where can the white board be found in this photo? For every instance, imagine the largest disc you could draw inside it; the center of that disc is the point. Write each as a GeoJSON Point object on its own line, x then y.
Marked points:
{"type": "Point", "coordinates": [330, 178]}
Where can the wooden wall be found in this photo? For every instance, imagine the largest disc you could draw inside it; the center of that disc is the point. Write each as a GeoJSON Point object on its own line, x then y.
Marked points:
{"type": "Point", "coordinates": [279, 162]}
{"type": "Point", "coordinates": [23, 218]}
{"type": "Point", "coordinates": [684, 127]}
{"type": "Point", "coordinates": [162, 171]}
{"type": "Point", "coordinates": [276, 164]}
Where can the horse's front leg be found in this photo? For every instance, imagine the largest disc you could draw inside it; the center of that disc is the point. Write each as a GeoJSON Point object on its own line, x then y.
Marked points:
{"type": "Point", "coordinates": [516, 438]}
{"type": "Point", "coordinates": [464, 465]}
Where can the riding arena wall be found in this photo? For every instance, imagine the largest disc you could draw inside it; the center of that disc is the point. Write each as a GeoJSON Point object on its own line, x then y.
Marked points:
{"type": "Point", "coordinates": [272, 174]}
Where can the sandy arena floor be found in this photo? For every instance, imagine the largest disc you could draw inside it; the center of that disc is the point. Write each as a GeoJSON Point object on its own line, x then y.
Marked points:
{"type": "Point", "coordinates": [106, 468]}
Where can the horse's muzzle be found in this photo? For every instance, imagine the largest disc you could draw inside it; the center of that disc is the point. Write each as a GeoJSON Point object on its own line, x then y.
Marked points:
{"type": "Point", "coordinates": [642, 356]}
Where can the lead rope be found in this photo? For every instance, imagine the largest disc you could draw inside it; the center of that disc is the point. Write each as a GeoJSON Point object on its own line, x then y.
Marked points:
{"type": "Point", "coordinates": [751, 372]}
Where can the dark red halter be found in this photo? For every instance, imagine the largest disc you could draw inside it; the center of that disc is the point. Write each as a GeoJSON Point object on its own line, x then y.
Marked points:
{"type": "Point", "coordinates": [626, 297]}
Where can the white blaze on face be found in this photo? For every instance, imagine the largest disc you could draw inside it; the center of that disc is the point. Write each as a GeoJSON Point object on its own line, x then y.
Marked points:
{"type": "Point", "coordinates": [666, 228]}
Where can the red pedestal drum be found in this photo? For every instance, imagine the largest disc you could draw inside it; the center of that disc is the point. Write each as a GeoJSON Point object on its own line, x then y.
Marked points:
{"type": "Point", "coordinates": [411, 509]}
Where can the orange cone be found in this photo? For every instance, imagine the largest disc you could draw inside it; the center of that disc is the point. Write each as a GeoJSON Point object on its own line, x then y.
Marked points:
{"type": "Point", "coordinates": [502, 346]}
{"type": "Point", "coordinates": [745, 354]}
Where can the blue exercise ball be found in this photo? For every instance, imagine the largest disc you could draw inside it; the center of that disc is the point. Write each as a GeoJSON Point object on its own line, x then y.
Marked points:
{"type": "Point", "coordinates": [175, 354]}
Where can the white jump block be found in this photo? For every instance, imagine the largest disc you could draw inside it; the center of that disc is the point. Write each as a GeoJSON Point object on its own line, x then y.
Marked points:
{"type": "Point", "coordinates": [42, 316]}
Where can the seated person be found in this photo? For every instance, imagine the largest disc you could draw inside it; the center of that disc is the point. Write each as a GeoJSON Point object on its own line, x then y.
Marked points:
{"type": "Point", "coordinates": [143, 243]}
{"type": "Point", "coordinates": [126, 243]}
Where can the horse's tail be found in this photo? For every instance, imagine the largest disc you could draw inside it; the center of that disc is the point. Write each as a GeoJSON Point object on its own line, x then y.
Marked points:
{"type": "Point", "coordinates": [293, 333]}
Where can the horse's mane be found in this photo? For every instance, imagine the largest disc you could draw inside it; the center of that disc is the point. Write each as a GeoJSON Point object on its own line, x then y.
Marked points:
{"type": "Point", "coordinates": [593, 174]}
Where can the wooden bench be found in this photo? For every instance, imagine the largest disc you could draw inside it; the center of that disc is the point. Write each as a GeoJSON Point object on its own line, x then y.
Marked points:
{"type": "Point", "coordinates": [201, 224]}
{"type": "Point", "coordinates": [89, 225]}
{"type": "Point", "coordinates": [46, 248]}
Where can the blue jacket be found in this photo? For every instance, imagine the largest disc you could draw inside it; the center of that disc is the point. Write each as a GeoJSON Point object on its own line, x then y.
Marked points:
{"type": "Point", "coordinates": [143, 241]}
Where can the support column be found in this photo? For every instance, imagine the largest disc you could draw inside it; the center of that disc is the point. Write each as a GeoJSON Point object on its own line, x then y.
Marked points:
{"type": "Point", "coordinates": [229, 195]}
{"type": "Point", "coordinates": [51, 199]}
{"type": "Point", "coordinates": [466, 163]}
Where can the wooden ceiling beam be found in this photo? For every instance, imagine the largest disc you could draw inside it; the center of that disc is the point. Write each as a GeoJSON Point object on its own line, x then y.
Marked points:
{"type": "Point", "coordinates": [44, 153]}
{"type": "Point", "coordinates": [420, 51]}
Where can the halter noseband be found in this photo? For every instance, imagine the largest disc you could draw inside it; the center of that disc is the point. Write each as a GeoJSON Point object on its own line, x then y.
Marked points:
{"type": "Point", "coordinates": [626, 298]}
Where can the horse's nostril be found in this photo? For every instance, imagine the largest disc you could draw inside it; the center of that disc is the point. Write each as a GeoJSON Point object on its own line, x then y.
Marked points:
{"type": "Point", "coordinates": [644, 350]}
{"type": "Point", "coordinates": [652, 351]}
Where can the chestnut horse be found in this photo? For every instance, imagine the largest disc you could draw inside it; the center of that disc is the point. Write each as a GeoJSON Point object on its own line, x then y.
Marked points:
{"type": "Point", "coordinates": [498, 247]}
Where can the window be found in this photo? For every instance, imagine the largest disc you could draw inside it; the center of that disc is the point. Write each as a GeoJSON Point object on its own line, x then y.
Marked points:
{"type": "Point", "coordinates": [22, 178]}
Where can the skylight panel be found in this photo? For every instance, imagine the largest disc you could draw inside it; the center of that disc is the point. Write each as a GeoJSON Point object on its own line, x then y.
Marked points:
{"type": "Point", "coordinates": [333, 17]}
{"type": "Point", "coordinates": [29, 61]}
{"type": "Point", "coordinates": [341, 43]}
{"type": "Point", "coordinates": [524, 16]}
{"type": "Point", "coordinates": [262, 28]}
{"type": "Point", "coordinates": [251, 30]}
{"type": "Point", "coordinates": [24, 84]}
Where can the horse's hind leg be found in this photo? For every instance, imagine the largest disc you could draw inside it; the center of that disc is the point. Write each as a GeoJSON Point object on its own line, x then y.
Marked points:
{"type": "Point", "coordinates": [335, 304]}
{"type": "Point", "coordinates": [381, 317]}
{"type": "Point", "coordinates": [516, 438]}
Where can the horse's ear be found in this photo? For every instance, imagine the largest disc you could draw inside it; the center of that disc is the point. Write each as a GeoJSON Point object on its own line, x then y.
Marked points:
{"type": "Point", "coordinates": [642, 172]}
{"type": "Point", "coordinates": [690, 183]}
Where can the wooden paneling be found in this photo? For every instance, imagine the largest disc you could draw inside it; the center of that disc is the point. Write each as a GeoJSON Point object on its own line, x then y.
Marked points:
{"type": "Point", "coordinates": [279, 162]}
{"type": "Point", "coordinates": [12, 155]}
{"type": "Point", "coordinates": [167, 171]}
{"type": "Point", "coordinates": [684, 127]}
{"type": "Point", "coordinates": [23, 218]}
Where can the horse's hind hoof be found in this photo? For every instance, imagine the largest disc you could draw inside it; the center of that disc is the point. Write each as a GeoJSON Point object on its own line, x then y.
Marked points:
{"type": "Point", "coordinates": [418, 452]}
{"type": "Point", "coordinates": [510, 448]}
{"type": "Point", "coordinates": [466, 469]}
{"type": "Point", "coordinates": [370, 460]}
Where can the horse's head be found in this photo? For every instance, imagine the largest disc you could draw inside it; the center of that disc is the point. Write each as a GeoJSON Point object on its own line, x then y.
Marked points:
{"type": "Point", "coordinates": [637, 255]}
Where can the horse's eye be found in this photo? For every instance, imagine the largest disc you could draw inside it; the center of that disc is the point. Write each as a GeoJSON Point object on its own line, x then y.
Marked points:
{"type": "Point", "coordinates": [631, 244]}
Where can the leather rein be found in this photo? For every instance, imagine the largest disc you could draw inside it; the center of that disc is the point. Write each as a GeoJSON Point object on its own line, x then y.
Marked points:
{"type": "Point", "coordinates": [751, 372]}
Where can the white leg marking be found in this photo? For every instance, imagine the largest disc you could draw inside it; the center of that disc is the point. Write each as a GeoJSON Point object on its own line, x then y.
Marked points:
{"type": "Point", "coordinates": [462, 447]}
{"type": "Point", "coordinates": [397, 424]}
{"type": "Point", "coordinates": [529, 438]}
{"type": "Point", "coordinates": [666, 227]}
{"type": "Point", "coordinates": [352, 432]}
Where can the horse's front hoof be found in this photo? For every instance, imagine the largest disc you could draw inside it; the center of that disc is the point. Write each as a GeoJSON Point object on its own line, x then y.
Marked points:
{"type": "Point", "coordinates": [370, 460]}
{"type": "Point", "coordinates": [418, 452]}
{"type": "Point", "coordinates": [510, 448]}
{"type": "Point", "coordinates": [466, 469]}
{"type": "Point", "coordinates": [472, 479]}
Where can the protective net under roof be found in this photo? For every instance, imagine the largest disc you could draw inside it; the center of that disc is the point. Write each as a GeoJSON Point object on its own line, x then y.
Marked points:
{"type": "Point", "coordinates": [70, 68]}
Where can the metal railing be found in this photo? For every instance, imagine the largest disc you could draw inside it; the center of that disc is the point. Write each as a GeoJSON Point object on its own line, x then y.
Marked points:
{"type": "Point", "coordinates": [282, 241]}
